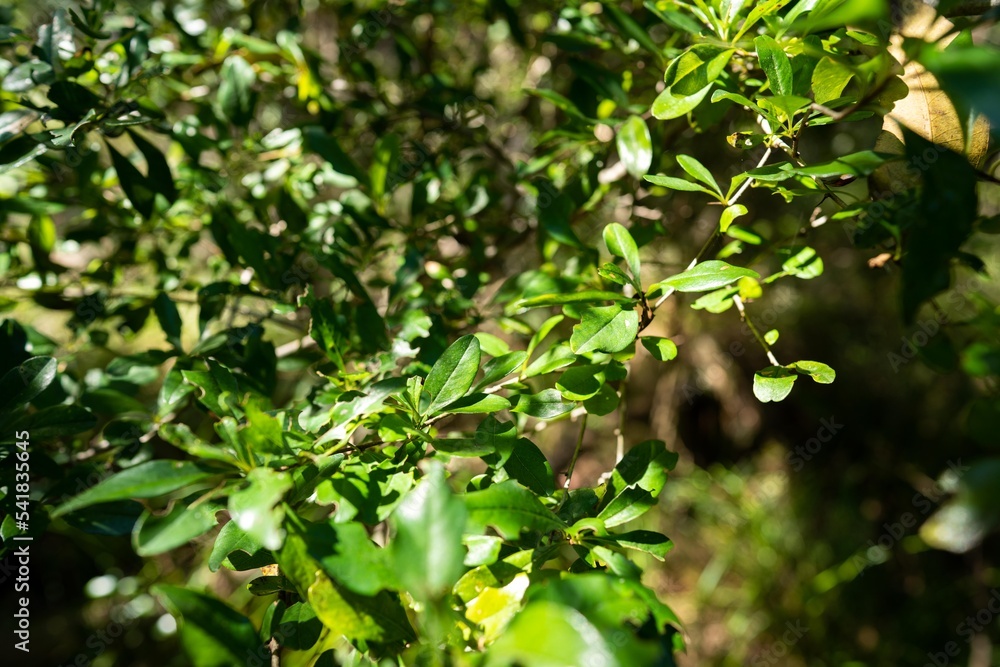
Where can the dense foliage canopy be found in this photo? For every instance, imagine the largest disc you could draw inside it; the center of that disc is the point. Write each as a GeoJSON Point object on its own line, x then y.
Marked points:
{"type": "Point", "coordinates": [313, 292]}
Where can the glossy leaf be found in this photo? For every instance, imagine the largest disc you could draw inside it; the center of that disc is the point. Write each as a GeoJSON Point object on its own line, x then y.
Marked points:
{"type": "Point", "coordinates": [677, 184]}
{"type": "Point", "coordinates": [509, 508]}
{"type": "Point", "coordinates": [155, 533]}
{"type": "Point", "coordinates": [704, 277]}
{"type": "Point", "coordinates": [23, 383]}
{"type": "Point", "coordinates": [774, 383]}
{"type": "Point", "coordinates": [698, 171]}
{"type": "Point", "coordinates": [775, 64]}
{"type": "Point", "coordinates": [662, 349]}
{"type": "Point", "coordinates": [427, 548]}
{"type": "Point", "coordinates": [146, 480]}
{"type": "Point", "coordinates": [255, 508]}
{"type": "Point", "coordinates": [605, 329]}
{"type": "Point", "coordinates": [546, 404]}
{"type": "Point", "coordinates": [817, 371]}
{"type": "Point", "coordinates": [621, 244]}
{"type": "Point", "coordinates": [635, 146]}
{"type": "Point", "coordinates": [452, 375]}
{"type": "Point", "coordinates": [212, 633]}
{"type": "Point", "coordinates": [636, 482]}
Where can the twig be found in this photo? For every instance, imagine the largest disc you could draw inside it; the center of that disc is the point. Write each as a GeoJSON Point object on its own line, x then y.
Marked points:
{"type": "Point", "coordinates": [576, 452]}
{"type": "Point", "coordinates": [620, 431]}
{"type": "Point", "coordinates": [756, 334]}
{"type": "Point", "coordinates": [746, 184]}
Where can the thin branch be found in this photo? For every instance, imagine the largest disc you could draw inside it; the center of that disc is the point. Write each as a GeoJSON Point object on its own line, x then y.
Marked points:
{"type": "Point", "coordinates": [620, 431]}
{"type": "Point", "coordinates": [746, 184]}
{"type": "Point", "coordinates": [576, 452]}
{"type": "Point", "coordinates": [756, 334]}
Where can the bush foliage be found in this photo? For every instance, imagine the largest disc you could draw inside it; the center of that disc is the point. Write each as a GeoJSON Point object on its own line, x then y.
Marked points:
{"type": "Point", "coordinates": [315, 293]}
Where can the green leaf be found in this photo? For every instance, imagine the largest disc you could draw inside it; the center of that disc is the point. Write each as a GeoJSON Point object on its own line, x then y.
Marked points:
{"type": "Point", "coordinates": [662, 349]}
{"type": "Point", "coordinates": [255, 508]}
{"type": "Point", "coordinates": [21, 384]}
{"type": "Point", "coordinates": [858, 165]}
{"type": "Point", "coordinates": [358, 617]}
{"type": "Point", "coordinates": [546, 404]}
{"type": "Point", "coordinates": [699, 172]}
{"type": "Point", "coordinates": [269, 585]}
{"type": "Point", "coordinates": [718, 301]}
{"type": "Point", "coordinates": [137, 187]}
{"type": "Point", "coordinates": [476, 404]}
{"type": "Point", "coordinates": [548, 634]}
{"type": "Point", "coordinates": [803, 263]}
{"type": "Point", "coordinates": [773, 383]}
{"type": "Point", "coordinates": [669, 104]}
{"type": "Point", "coordinates": [327, 147]}
{"type": "Point", "coordinates": [817, 371]}
{"type": "Point", "coordinates": [579, 383]}
{"type": "Point", "coordinates": [385, 163]}
{"type": "Point", "coordinates": [528, 466]}
{"type": "Point", "coordinates": [346, 553]}
{"type": "Point", "coordinates": [705, 276]}
{"type": "Point", "coordinates": [497, 369]}
{"type": "Point", "coordinates": [730, 214]}
{"type": "Point", "coordinates": [509, 508]}
{"type": "Point", "coordinates": [614, 273]}
{"type": "Point", "coordinates": [829, 79]}
{"type": "Point", "coordinates": [635, 146]}
{"type": "Point", "coordinates": [170, 319]}
{"type": "Point", "coordinates": [605, 329]}
{"type": "Point", "coordinates": [28, 75]}
{"type": "Point", "coordinates": [498, 436]}
{"type": "Point", "coordinates": [464, 447]}
{"type": "Point", "coordinates": [630, 28]}
{"type": "Point", "coordinates": [647, 541]}
{"type": "Point", "coordinates": [696, 68]}
{"type": "Point", "coordinates": [299, 627]}
{"type": "Point", "coordinates": [427, 547]}
{"type": "Point", "coordinates": [742, 234]}
{"type": "Point", "coordinates": [491, 345]}
{"type": "Point", "coordinates": [157, 169]}
{"type": "Point", "coordinates": [621, 244]}
{"type": "Point", "coordinates": [555, 219]}
{"type": "Point", "coordinates": [677, 184]}
{"type": "Point", "coordinates": [680, 20]}
{"type": "Point", "coordinates": [558, 100]}
{"type": "Point", "coordinates": [231, 539]}
{"type": "Point", "coordinates": [52, 422]}
{"type": "Point", "coordinates": [636, 482]}
{"type": "Point", "coordinates": [742, 101]}
{"type": "Point", "coordinates": [775, 64]}
{"type": "Point", "coordinates": [212, 633]}
{"type": "Point", "coordinates": [483, 549]}
{"type": "Point", "coordinates": [146, 480]}
{"type": "Point", "coordinates": [556, 357]}
{"type": "Point", "coordinates": [603, 403]}
{"type": "Point", "coordinates": [453, 374]}
{"type": "Point", "coordinates": [235, 97]}
{"type": "Point", "coordinates": [588, 296]}
{"type": "Point", "coordinates": [760, 10]}
{"type": "Point", "coordinates": [156, 534]}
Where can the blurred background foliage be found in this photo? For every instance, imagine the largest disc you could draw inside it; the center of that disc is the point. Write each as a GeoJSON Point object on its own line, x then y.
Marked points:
{"type": "Point", "coordinates": [796, 524]}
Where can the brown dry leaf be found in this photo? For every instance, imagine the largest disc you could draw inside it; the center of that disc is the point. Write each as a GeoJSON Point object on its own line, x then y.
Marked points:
{"type": "Point", "coordinates": [925, 110]}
